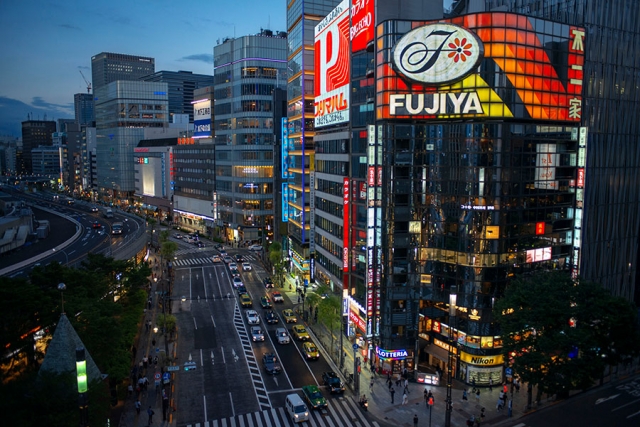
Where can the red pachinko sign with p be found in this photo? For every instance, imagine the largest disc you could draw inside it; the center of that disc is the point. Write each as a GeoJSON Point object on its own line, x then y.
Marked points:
{"type": "Point", "coordinates": [332, 68]}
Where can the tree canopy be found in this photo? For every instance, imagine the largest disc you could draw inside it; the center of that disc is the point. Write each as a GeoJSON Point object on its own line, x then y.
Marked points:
{"type": "Point", "coordinates": [560, 335]}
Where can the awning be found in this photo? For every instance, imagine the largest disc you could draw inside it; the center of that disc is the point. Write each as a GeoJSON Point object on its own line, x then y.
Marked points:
{"type": "Point", "coordinates": [438, 352]}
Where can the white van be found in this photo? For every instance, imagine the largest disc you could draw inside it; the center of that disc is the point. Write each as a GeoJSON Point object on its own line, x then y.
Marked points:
{"type": "Point", "coordinates": [296, 408]}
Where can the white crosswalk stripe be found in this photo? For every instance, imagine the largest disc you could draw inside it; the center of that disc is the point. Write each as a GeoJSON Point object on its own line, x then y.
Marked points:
{"type": "Point", "coordinates": [192, 261]}
{"type": "Point", "coordinates": [342, 412]}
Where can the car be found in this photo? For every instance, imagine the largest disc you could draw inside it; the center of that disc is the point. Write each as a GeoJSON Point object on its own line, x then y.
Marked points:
{"type": "Point", "coordinates": [223, 254]}
{"type": "Point", "coordinates": [246, 266]}
{"type": "Point", "coordinates": [310, 351]}
{"type": "Point", "coordinates": [245, 301]}
{"type": "Point", "coordinates": [241, 290]}
{"type": "Point", "coordinates": [232, 265]}
{"type": "Point", "coordinates": [177, 236]}
{"type": "Point", "coordinates": [265, 302]}
{"type": "Point", "coordinates": [268, 283]}
{"type": "Point", "coordinates": [271, 317]}
{"type": "Point", "coordinates": [300, 333]}
{"type": "Point", "coordinates": [96, 224]}
{"type": "Point", "coordinates": [282, 336]}
{"type": "Point", "coordinates": [237, 282]}
{"type": "Point", "coordinates": [276, 297]}
{"type": "Point", "coordinates": [234, 272]}
{"type": "Point", "coordinates": [218, 246]}
{"type": "Point", "coordinates": [239, 258]}
{"type": "Point", "coordinates": [333, 382]}
{"type": "Point", "coordinates": [288, 315]}
{"type": "Point", "coordinates": [314, 397]}
{"type": "Point", "coordinates": [94, 209]}
{"type": "Point", "coordinates": [216, 258]}
{"type": "Point", "coordinates": [227, 259]}
{"type": "Point", "coordinates": [255, 248]}
{"type": "Point", "coordinates": [252, 317]}
{"type": "Point", "coordinates": [271, 363]}
{"type": "Point", "coordinates": [257, 334]}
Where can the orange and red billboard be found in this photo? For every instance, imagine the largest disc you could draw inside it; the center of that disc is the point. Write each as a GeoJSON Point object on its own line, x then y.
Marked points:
{"type": "Point", "coordinates": [332, 68]}
{"type": "Point", "coordinates": [362, 24]}
{"type": "Point", "coordinates": [483, 65]}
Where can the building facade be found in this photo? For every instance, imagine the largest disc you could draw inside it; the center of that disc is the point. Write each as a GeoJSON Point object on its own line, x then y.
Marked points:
{"type": "Point", "coordinates": [35, 133]}
{"type": "Point", "coordinates": [50, 162]}
{"type": "Point", "coordinates": [107, 67]}
{"type": "Point", "coordinates": [83, 108]}
{"type": "Point", "coordinates": [181, 85]}
{"type": "Point", "coordinates": [247, 70]}
{"type": "Point", "coordinates": [123, 109]}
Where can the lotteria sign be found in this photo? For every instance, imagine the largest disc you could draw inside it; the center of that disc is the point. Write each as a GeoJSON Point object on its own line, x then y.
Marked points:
{"type": "Point", "coordinates": [392, 354]}
{"type": "Point", "coordinates": [484, 65]}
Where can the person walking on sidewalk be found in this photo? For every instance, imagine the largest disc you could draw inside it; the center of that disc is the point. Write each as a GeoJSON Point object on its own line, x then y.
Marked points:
{"type": "Point", "coordinates": [405, 398]}
{"type": "Point", "coordinates": [371, 386]}
{"type": "Point", "coordinates": [150, 413]}
{"type": "Point", "coordinates": [415, 420]}
{"type": "Point", "coordinates": [490, 384]}
{"type": "Point", "coordinates": [393, 392]}
{"type": "Point", "coordinates": [406, 386]}
{"type": "Point", "coordinates": [478, 395]}
{"type": "Point", "coordinates": [137, 406]}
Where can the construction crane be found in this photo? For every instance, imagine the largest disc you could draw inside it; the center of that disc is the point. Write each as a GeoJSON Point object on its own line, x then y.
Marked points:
{"type": "Point", "coordinates": [86, 81]}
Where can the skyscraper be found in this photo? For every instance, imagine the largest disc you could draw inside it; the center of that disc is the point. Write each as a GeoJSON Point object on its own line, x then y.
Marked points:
{"type": "Point", "coordinates": [83, 107]}
{"type": "Point", "coordinates": [123, 110]}
{"type": "Point", "coordinates": [247, 70]}
{"type": "Point", "coordinates": [181, 85]}
{"type": "Point", "coordinates": [35, 133]}
{"type": "Point", "coordinates": [108, 67]}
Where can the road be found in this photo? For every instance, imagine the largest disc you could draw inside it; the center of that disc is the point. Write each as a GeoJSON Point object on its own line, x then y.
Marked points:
{"type": "Point", "coordinates": [229, 383]}
{"type": "Point", "coordinates": [616, 404]}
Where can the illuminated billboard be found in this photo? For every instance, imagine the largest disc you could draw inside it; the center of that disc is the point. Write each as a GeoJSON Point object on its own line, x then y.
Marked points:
{"type": "Point", "coordinates": [332, 69]}
{"type": "Point", "coordinates": [362, 24]}
{"type": "Point", "coordinates": [483, 65]}
{"type": "Point", "coordinates": [202, 119]}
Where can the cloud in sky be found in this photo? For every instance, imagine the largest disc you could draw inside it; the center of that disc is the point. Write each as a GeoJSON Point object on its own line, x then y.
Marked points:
{"type": "Point", "coordinates": [203, 57]}
{"type": "Point", "coordinates": [13, 112]}
{"type": "Point", "coordinates": [70, 27]}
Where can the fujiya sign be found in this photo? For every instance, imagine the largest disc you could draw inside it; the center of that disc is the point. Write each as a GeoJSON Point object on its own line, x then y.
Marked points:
{"type": "Point", "coordinates": [436, 54]}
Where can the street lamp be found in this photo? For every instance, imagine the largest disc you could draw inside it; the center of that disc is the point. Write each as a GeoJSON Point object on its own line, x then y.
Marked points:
{"type": "Point", "coordinates": [452, 314]}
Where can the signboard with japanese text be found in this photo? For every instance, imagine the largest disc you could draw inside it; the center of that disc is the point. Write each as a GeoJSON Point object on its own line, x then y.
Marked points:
{"type": "Point", "coordinates": [362, 24]}
{"type": "Point", "coordinates": [202, 119]}
{"type": "Point", "coordinates": [483, 65]}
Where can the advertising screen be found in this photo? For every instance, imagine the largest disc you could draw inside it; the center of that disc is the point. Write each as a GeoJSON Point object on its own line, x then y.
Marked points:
{"type": "Point", "coordinates": [483, 65]}
{"type": "Point", "coordinates": [362, 24]}
{"type": "Point", "coordinates": [202, 119]}
{"type": "Point", "coordinates": [332, 69]}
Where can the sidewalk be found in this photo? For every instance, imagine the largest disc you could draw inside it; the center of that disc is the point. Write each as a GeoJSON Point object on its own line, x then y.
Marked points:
{"type": "Point", "coordinates": [396, 414]}
{"type": "Point", "coordinates": [156, 397]}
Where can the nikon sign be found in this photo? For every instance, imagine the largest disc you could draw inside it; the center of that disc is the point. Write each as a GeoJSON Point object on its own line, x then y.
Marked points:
{"type": "Point", "coordinates": [473, 359]}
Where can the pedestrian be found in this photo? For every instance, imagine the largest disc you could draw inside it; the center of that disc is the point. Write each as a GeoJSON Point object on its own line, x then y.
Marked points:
{"type": "Point", "coordinates": [137, 406]}
{"type": "Point", "coordinates": [371, 386]}
{"type": "Point", "coordinates": [405, 398]}
{"type": "Point", "coordinates": [426, 396]}
{"type": "Point", "coordinates": [153, 342]}
{"type": "Point", "coordinates": [145, 361]}
{"type": "Point", "coordinates": [478, 395]}
{"type": "Point", "coordinates": [398, 380]}
{"type": "Point", "coordinates": [415, 419]}
{"type": "Point", "coordinates": [406, 386]}
{"type": "Point", "coordinates": [510, 408]}
{"type": "Point", "coordinates": [464, 394]}
{"type": "Point", "coordinates": [499, 405]}
{"type": "Point", "coordinates": [393, 392]}
{"type": "Point", "coordinates": [150, 413]}
{"type": "Point", "coordinates": [130, 389]}
{"type": "Point", "coordinates": [155, 361]}
{"type": "Point", "coordinates": [501, 395]}
{"type": "Point", "coordinates": [490, 384]}
{"type": "Point", "coordinates": [390, 383]}
{"type": "Point", "coordinates": [473, 383]}
{"type": "Point", "coordinates": [149, 303]}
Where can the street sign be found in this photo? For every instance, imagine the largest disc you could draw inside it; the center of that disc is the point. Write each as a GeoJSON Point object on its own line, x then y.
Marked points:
{"type": "Point", "coordinates": [157, 376]}
{"type": "Point", "coordinates": [166, 378]}
{"type": "Point", "coordinates": [356, 346]}
{"type": "Point", "coordinates": [173, 368]}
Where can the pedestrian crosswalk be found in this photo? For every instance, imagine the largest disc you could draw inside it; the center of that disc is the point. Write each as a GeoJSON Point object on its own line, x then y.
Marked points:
{"type": "Point", "coordinates": [192, 261]}
{"type": "Point", "coordinates": [341, 412]}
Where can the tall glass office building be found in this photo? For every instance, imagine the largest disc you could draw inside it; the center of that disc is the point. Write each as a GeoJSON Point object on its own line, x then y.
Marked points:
{"type": "Point", "coordinates": [302, 18]}
{"type": "Point", "coordinates": [246, 72]}
{"type": "Point", "coordinates": [123, 109]}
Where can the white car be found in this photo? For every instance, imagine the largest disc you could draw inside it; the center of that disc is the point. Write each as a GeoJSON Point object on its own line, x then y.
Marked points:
{"type": "Point", "coordinates": [237, 282]}
{"type": "Point", "coordinates": [233, 266]}
{"type": "Point", "coordinates": [257, 334]}
{"type": "Point", "coordinates": [283, 336]}
{"type": "Point", "coordinates": [246, 266]}
{"type": "Point", "coordinates": [256, 248]}
{"type": "Point", "coordinates": [252, 317]}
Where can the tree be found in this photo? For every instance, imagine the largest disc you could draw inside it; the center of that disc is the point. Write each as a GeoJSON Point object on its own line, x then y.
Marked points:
{"type": "Point", "coordinates": [559, 335]}
{"type": "Point", "coordinates": [276, 259]}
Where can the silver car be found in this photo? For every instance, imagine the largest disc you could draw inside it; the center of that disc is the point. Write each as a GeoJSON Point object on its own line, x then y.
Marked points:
{"type": "Point", "coordinates": [283, 336]}
{"type": "Point", "coordinates": [257, 334]}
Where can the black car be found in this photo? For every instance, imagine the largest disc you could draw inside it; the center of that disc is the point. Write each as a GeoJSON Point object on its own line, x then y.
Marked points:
{"type": "Point", "coordinates": [271, 317]}
{"type": "Point", "coordinates": [271, 363]}
{"type": "Point", "coordinates": [218, 246]}
{"type": "Point", "coordinates": [239, 258]}
{"type": "Point", "coordinates": [333, 382]}
{"type": "Point", "coordinates": [241, 290]}
{"type": "Point", "coordinates": [268, 282]}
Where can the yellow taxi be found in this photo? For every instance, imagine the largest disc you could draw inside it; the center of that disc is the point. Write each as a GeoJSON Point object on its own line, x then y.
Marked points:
{"type": "Point", "coordinates": [300, 333]}
{"type": "Point", "coordinates": [310, 351]}
{"type": "Point", "coordinates": [289, 317]}
{"type": "Point", "coordinates": [245, 301]}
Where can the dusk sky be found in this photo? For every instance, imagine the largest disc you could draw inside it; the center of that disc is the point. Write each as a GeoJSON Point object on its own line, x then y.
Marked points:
{"type": "Point", "coordinates": [45, 43]}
